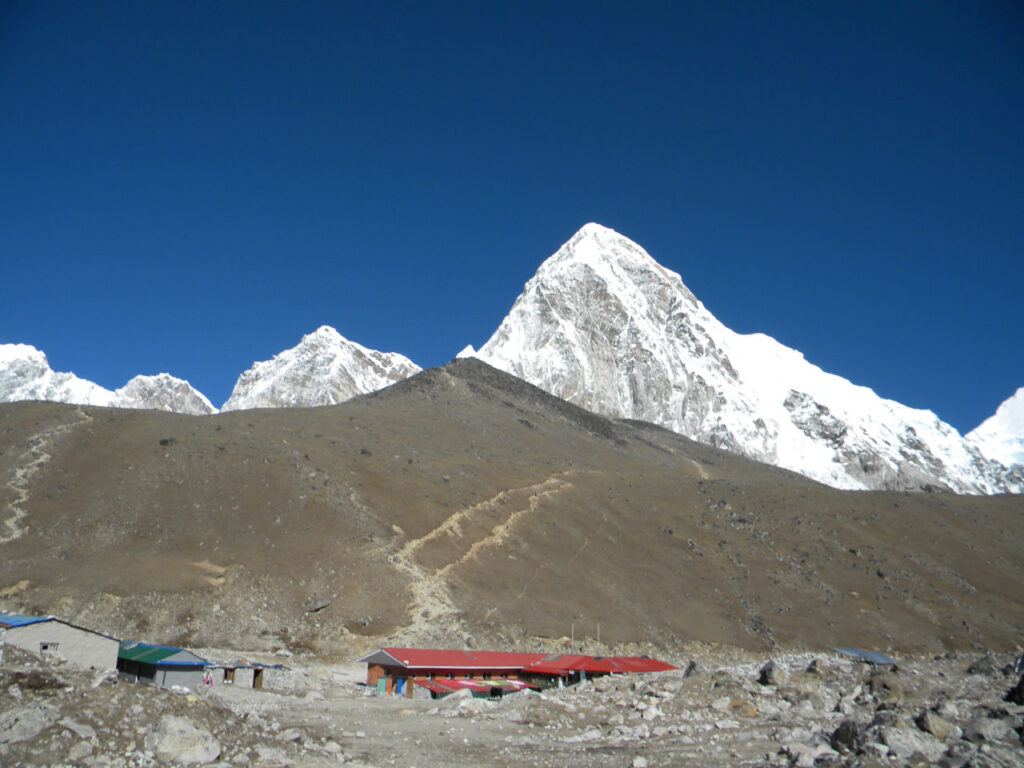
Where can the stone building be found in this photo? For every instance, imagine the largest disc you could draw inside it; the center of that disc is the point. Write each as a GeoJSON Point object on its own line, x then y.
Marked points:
{"type": "Point", "coordinates": [50, 636]}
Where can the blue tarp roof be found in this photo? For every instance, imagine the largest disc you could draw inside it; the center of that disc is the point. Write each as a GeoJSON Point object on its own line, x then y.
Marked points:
{"type": "Point", "coordinates": [871, 657]}
{"type": "Point", "coordinates": [9, 620]}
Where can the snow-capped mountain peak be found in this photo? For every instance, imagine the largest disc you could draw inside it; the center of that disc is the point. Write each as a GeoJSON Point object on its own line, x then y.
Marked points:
{"type": "Point", "coordinates": [162, 392]}
{"type": "Point", "coordinates": [1001, 436]}
{"type": "Point", "coordinates": [25, 374]}
{"type": "Point", "coordinates": [602, 324]}
{"type": "Point", "coordinates": [324, 368]}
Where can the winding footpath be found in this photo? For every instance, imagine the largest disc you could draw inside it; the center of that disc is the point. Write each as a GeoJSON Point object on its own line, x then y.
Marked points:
{"type": "Point", "coordinates": [26, 467]}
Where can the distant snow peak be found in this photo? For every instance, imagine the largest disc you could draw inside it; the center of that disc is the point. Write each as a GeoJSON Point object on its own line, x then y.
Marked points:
{"type": "Point", "coordinates": [605, 326]}
{"type": "Point", "coordinates": [1001, 436]}
{"type": "Point", "coordinates": [163, 392]}
{"type": "Point", "coordinates": [324, 368]}
{"type": "Point", "coordinates": [25, 374]}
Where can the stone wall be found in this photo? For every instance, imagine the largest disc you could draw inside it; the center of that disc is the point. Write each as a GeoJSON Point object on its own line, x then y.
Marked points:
{"type": "Point", "coordinates": [79, 647]}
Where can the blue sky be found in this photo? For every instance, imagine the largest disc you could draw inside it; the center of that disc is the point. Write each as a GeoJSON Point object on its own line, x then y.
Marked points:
{"type": "Point", "coordinates": [189, 187]}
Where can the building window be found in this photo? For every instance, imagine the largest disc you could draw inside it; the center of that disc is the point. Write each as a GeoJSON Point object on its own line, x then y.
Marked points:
{"type": "Point", "coordinates": [430, 675]}
{"type": "Point", "coordinates": [48, 647]}
{"type": "Point", "coordinates": [487, 675]}
{"type": "Point", "coordinates": [448, 676]}
{"type": "Point", "coordinates": [469, 676]}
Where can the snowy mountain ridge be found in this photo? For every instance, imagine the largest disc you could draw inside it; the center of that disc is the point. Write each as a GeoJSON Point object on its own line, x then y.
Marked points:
{"type": "Point", "coordinates": [25, 374]}
{"type": "Point", "coordinates": [605, 326]}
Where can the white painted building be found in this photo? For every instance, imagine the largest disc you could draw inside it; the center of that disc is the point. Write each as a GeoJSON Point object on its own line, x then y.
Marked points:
{"type": "Point", "coordinates": [50, 636]}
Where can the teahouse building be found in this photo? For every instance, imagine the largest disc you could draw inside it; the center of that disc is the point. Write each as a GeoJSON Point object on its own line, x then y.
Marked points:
{"type": "Point", "coordinates": [50, 636]}
{"type": "Point", "coordinates": [160, 665]}
{"type": "Point", "coordinates": [416, 671]}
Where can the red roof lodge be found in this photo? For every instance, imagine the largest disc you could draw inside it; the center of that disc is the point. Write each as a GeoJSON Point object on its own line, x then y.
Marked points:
{"type": "Point", "coordinates": [414, 671]}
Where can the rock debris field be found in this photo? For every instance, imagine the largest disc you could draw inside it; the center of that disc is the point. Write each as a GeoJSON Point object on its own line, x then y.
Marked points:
{"type": "Point", "coordinates": [720, 709]}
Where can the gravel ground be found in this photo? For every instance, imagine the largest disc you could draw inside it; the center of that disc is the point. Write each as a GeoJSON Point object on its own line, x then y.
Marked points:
{"type": "Point", "coordinates": [788, 709]}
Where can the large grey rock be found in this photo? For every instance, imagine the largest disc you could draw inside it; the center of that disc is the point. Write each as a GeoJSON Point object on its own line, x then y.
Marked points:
{"type": "Point", "coordinates": [938, 726]}
{"type": "Point", "coordinates": [984, 665]}
{"type": "Point", "coordinates": [24, 723]}
{"type": "Point", "coordinates": [986, 729]}
{"type": "Point", "coordinates": [807, 755]}
{"type": "Point", "coordinates": [846, 736]}
{"type": "Point", "coordinates": [456, 698]}
{"type": "Point", "coordinates": [176, 740]}
{"type": "Point", "coordinates": [80, 730]}
{"type": "Point", "coordinates": [906, 742]}
{"type": "Point", "coordinates": [769, 674]}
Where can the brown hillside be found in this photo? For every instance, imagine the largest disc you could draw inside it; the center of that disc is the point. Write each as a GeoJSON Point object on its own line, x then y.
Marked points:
{"type": "Point", "coordinates": [463, 505]}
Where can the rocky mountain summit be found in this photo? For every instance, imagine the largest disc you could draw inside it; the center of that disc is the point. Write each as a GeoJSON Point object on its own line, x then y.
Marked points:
{"type": "Point", "coordinates": [603, 325]}
{"type": "Point", "coordinates": [324, 368]}
{"type": "Point", "coordinates": [25, 374]}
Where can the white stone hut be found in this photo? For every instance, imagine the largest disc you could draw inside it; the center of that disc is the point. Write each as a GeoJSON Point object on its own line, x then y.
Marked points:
{"type": "Point", "coordinates": [50, 636]}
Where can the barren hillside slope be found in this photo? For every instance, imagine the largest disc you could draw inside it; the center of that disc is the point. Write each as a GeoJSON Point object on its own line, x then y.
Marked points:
{"type": "Point", "coordinates": [465, 506]}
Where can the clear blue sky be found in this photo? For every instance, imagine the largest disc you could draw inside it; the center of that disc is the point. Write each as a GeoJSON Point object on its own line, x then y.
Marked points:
{"type": "Point", "coordinates": [191, 186]}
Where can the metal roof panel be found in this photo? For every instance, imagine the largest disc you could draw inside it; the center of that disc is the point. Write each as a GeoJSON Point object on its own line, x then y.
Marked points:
{"type": "Point", "coordinates": [11, 620]}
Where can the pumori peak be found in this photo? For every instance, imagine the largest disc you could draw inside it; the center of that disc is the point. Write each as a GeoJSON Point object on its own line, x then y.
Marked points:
{"type": "Point", "coordinates": [603, 325]}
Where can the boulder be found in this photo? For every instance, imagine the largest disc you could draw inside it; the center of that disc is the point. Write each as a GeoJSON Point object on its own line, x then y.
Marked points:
{"type": "Point", "coordinates": [846, 736]}
{"type": "Point", "coordinates": [986, 665]}
{"type": "Point", "coordinates": [886, 687]}
{"type": "Point", "coordinates": [768, 674]}
{"type": "Point", "coordinates": [456, 698]}
{"type": "Point", "coordinates": [937, 726]}
{"type": "Point", "coordinates": [985, 729]}
{"type": "Point", "coordinates": [24, 723]}
{"type": "Point", "coordinates": [807, 755]}
{"type": "Point", "coordinates": [175, 739]}
{"type": "Point", "coordinates": [907, 742]}
{"type": "Point", "coordinates": [80, 730]}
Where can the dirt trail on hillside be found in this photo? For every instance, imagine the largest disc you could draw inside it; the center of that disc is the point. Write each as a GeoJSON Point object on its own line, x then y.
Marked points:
{"type": "Point", "coordinates": [26, 467]}
{"type": "Point", "coordinates": [431, 599]}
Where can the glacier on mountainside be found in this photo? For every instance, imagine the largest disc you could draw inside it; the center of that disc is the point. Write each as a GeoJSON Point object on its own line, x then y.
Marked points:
{"type": "Point", "coordinates": [25, 374]}
{"type": "Point", "coordinates": [324, 368]}
{"type": "Point", "coordinates": [603, 325]}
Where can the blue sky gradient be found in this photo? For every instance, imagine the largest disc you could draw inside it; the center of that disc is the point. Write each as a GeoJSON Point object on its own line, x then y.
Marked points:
{"type": "Point", "coordinates": [189, 187]}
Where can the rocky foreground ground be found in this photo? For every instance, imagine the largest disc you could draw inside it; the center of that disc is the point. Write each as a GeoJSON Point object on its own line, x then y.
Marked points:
{"type": "Point", "coordinates": [796, 709]}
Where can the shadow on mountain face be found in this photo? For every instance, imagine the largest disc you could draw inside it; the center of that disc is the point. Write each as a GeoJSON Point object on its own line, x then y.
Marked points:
{"type": "Point", "coordinates": [465, 503]}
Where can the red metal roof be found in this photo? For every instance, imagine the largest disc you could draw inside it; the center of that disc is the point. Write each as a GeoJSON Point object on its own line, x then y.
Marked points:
{"type": "Point", "coordinates": [473, 685]}
{"type": "Point", "coordinates": [569, 663]}
{"type": "Point", "coordinates": [642, 664]}
{"type": "Point", "coordinates": [436, 687]}
{"type": "Point", "coordinates": [430, 658]}
{"type": "Point", "coordinates": [537, 663]}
